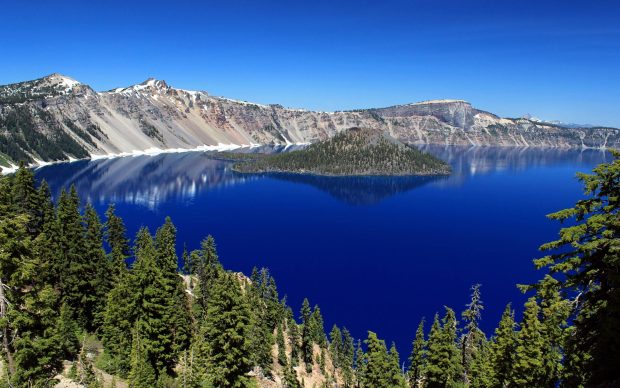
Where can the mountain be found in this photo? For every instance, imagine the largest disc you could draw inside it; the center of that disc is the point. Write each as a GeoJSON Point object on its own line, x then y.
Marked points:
{"type": "Point", "coordinates": [58, 118]}
{"type": "Point", "coordinates": [354, 152]}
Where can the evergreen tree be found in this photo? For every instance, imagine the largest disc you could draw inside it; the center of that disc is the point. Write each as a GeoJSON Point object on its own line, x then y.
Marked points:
{"type": "Point", "coordinates": [99, 279]}
{"type": "Point", "coordinates": [66, 332]}
{"type": "Point", "coordinates": [282, 360]}
{"type": "Point", "coordinates": [306, 335]}
{"type": "Point", "coordinates": [587, 257]}
{"type": "Point", "coordinates": [395, 374]}
{"type": "Point", "coordinates": [347, 354]}
{"type": "Point", "coordinates": [115, 234]}
{"type": "Point", "coordinates": [290, 378]}
{"type": "Point", "coordinates": [295, 340]}
{"type": "Point", "coordinates": [317, 327]}
{"type": "Point", "coordinates": [443, 366]}
{"type": "Point", "coordinates": [335, 347]}
{"type": "Point", "coordinates": [360, 364]}
{"type": "Point", "coordinates": [555, 311]}
{"type": "Point", "coordinates": [142, 374]}
{"type": "Point", "coordinates": [177, 317]}
{"type": "Point", "coordinates": [418, 357]}
{"type": "Point", "coordinates": [472, 336]}
{"type": "Point", "coordinates": [225, 334]}
{"type": "Point", "coordinates": [377, 369]}
{"type": "Point", "coordinates": [77, 271]}
{"type": "Point", "coordinates": [28, 308]}
{"type": "Point", "coordinates": [529, 369]}
{"type": "Point", "coordinates": [152, 309]}
{"type": "Point", "coordinates": [118, 324]}
{"type": "Point", "coordinates": [481, 367]}
{"type": "Point", "coordinates": [207, 268]}
{"type": "Point", "coordinates": [25, 199]}
{"type": "Point", "coordinates": [503, 347]}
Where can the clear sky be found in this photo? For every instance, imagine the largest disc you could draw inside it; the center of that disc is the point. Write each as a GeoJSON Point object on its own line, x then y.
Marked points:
{"type": "Point", "coordinates": [552, 59]}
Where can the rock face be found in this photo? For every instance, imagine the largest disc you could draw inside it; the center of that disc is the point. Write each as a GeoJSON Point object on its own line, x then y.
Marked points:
{"type": "Point", "coordinates": [56, 117]}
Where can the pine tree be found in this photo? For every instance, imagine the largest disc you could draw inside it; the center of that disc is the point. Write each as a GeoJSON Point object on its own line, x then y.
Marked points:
{"type": "Point", "coordinates": [306, 335]}
{"type": "Point", "coordinates": [282, 360]}
{"type": "Point", "coordinates": [100, 282]}
{"type": "Point", "coordinates": [360, 364]}
{"type": "Point", "coordinates": [225, 334]}
{"type": "Point", "coordinates": [417, 358]}
{"type": "Point", "coordinates": [443, 366]}
{"type": "Point", "coordinates": [66, 332]}
{"type": "Point", "coordinates": [177, 317]}
{"type": "Point", "coordinates": [555, 311]}
{"type": "Point", "coordinates": [28, 308]}
{"type": "Point", "coordinates": [587, 257]}
{"type": "Point", "coordinates": [377, 369]}
{"type": "Point", "coordinates": [118, 324]}
{"type": "Point", "coordinates": [472, 336]}
{"type": "Point", "coordinates": [317, 327]}
{"type": "Point", "coordinates": [395, 374]}
{"type": "Point", "coordinates": [207, 268]}
{"type": "Point", "coordinates": [290, 378]}
{"type": "Point", "coordinates": [481, 368]}
{"type": "Point", "coordinates": [115, 234]}
{"type": "Point", "coordinates": [25, 199]}
{"type": "Point", "coordinates": [529, 369]}
{"type": "Point", "coordinates": [152, 309]}
{"type": "Point", "coordinates": [77, 271]}
{"type": "Point", "coordinates": [503, 347]}
{"type": "Point", "coordinates": [142, 374]}
{"type": "Point", "coordinates": [347, 355]}
{"type": "Point", "coordinates": [260, 336]}
{"type": "Point", "coordinates": [335, 347]}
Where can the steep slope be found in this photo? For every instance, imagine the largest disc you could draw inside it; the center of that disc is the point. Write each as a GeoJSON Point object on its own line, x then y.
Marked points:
{"type": "Point", "coordinates": [56, 118]}
{"type": "Point", "coordinates": [356, 151]}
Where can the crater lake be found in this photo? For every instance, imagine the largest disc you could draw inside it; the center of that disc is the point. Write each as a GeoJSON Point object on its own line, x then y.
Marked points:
{"type": "Point", "coordinates": [375, 253]}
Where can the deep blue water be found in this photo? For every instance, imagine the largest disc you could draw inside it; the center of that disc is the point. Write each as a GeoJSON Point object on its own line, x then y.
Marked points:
{"type": "Point", "coordinates": [374, 253]}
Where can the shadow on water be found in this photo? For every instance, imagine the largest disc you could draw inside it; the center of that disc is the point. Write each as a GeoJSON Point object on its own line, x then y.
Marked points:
{"type": "Point", "coordinates": [360, 190]}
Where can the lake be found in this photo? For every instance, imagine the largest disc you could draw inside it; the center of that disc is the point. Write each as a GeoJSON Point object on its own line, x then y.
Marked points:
{"type": "Point", "coordinates": [374, 253]}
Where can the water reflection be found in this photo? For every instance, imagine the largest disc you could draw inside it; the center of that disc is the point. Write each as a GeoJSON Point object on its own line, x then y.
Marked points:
{"type": "Point", "coordinates": [151, 180]}
{"type": "Point", "coordinates": [142, 180]}
{"type": "Point", "coordinates": [360, 190]}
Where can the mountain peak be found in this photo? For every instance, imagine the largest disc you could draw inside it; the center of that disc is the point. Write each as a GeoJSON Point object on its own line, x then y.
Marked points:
{"type": "Point", "coordinates": [154, 83]}
{"type": "Point", "coordinates": [57, 79]}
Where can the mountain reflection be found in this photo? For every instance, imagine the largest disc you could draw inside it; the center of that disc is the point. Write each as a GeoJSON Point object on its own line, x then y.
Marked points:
{"type": "Point", "coordinates": [151, 180]}
{"type": "Point", "coordinates": [142, 180]}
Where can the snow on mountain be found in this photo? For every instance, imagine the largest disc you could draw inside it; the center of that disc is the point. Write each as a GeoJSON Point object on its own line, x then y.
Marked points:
{"type": "Point", "coordinates": [56, 117]}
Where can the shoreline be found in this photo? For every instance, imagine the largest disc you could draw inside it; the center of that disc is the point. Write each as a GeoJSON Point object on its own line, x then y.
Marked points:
{"type": "Point", "coordinates": [221, 147]}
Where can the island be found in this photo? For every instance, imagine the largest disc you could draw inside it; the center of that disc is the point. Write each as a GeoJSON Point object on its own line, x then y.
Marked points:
{"type": "Point", "coordinates": [353, 152]}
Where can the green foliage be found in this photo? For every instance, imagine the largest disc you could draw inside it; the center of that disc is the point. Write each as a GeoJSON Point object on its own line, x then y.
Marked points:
{"type": "Point", "coordinates": [352, 152]}
{"type": "Point", "coordinates": [224, 333]}
{"type": "Point", "coordinates": [585, 261]}
{"type": "Point", "coordinates": [443, 365]}
{"type": "Point", "coordinates": [306, 335]}
{"type": "Point", "coordinates": [115, 234]}
{"type": "Point", "coordinates": [529, 369]}
{"type": "Point", "coordinates": [417, 359]}
{"type": "Point", "coordinates": [375, 374]}
{"type": "Point", "coordinates": [473, 337]}
{"type": "Point", "coordinates": [503, 347]}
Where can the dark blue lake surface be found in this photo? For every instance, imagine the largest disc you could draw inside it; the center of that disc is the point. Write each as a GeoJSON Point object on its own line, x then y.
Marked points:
{"type": "Point", "coordinates": [374, 253]}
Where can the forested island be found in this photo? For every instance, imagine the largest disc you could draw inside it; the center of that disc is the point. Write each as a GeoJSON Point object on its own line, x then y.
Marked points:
{"type": "Point", "coordinates": [79, 303]}
{"type": "Point", "coordinates": [356, 151]}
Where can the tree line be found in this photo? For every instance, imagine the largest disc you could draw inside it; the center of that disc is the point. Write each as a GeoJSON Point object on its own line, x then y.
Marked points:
{"type": "Point", "coordinates": [69, 279]}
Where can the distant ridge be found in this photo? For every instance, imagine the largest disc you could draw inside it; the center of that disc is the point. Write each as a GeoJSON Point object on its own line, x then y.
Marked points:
{"type": "Point", "coordinates": [58, 118]}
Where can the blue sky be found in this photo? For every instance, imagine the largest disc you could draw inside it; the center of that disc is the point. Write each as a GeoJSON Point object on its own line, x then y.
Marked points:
{"type": "Point", "coordinates": [553, 59]}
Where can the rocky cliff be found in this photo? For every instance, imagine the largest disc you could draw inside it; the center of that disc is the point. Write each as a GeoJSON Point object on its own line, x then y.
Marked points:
{"type": "Point", "coordinates": [56, 117]}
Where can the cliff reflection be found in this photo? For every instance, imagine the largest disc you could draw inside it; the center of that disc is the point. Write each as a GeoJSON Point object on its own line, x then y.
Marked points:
{"type": "Point", "coordinates": [151, 180]}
